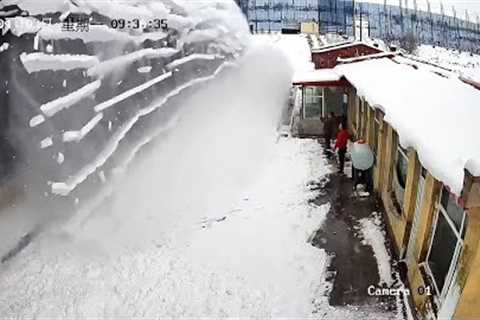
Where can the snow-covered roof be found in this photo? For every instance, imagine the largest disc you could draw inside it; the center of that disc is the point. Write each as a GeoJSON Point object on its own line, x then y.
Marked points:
{"type": "Point", "coordinates": [315, 76]}
{"type": "Point", "coordinates": [435, 115]}
{"type": "Point", "coordinates": [343, 46]}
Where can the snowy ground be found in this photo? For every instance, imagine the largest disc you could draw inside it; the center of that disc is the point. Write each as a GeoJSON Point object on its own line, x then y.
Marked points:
{"type": "Point", "coordinates": [253, 260]}
{"type": "Point", "coordinates": [465, 63]}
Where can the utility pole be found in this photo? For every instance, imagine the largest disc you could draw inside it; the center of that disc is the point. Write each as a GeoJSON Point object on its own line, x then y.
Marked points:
{"type": "Point", "coordinates": [387, 33]}
{"type": "Point", "coordinates": [402, 27]}
{"type": "Point", "coordinates": [431, 22]}
{"type": "Point", "coordinates": [442, 25]}
{"type": "Point", "coordinates": [353, 20]}
{"type": "Point", "coordinates": [361, 22]}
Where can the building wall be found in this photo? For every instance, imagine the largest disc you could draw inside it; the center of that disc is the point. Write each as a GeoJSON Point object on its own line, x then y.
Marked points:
{"type": "Point", "coordinates": [467, 280]}
{"type": "Point", "coordinates": [328, 59]}
{"type": "Point", "coordinates": [309, 28]}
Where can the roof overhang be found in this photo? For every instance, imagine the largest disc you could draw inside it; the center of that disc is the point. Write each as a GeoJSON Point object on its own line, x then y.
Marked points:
{"type": "Point", "coordinates": [319, 77]}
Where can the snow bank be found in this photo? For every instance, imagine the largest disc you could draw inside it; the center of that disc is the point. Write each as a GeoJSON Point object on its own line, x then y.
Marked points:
{"type": "Point", "coordinates": [413, 106]}
{"type": "Point", "coordinates": [38, 61]}
{"type": "Point", "coordinates": [372, 232]}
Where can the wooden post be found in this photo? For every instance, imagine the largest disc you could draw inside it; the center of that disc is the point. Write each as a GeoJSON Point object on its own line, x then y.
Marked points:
{"type": "Point", "coordinates": [411, 190]}
{"type": "Point", "coordinates": [431, 195]}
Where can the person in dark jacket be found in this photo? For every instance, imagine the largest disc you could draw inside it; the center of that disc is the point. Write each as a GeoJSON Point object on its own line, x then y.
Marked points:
{"type": "Point", "coordinates": [329, 128]}
{"type": "Point", "coordinates": [341, 146]}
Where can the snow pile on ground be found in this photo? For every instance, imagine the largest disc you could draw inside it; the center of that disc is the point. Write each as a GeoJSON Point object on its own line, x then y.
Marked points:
{"type": "Point", "coordinates": [466, 63]}
{"type": "Point", "coordinates": [372, 232]}
{"type": "Point", "coordinates": [418, 113]}
{"type": "Point", "coordinates": [251, 260]}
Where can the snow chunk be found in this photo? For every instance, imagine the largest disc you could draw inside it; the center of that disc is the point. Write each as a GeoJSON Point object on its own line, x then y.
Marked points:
{"type": "Point", "coordinates": [195, 56]}
{"type": "Point", "coordinates": [60, 158]}
{"type": "Point", "coordinates": [38, 61]}
{"type": "Point", "coordinates": [35, 121]}
{"type": "Point", "coordinates": [52, 107]}
{"type": "Point", "coordinates": [45, 143]}
{"type": "Point", "coordinates": [77, 136]}
{"type": "Point", "coordinates": [144, 69]}
{"type": "Point", "coordinates": [4, 46]}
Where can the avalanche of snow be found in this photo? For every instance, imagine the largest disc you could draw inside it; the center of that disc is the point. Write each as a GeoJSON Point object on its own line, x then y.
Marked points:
{"type": "Point", "coordinates": [296, 48]}
{"type": "Point", "coordinates": [413, 106]}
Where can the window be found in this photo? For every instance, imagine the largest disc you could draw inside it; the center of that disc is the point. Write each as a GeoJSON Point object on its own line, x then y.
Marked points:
{"type": "Point", "coordinates": [447, 241]}
{"type": "Point", "coordinates": [313, 102]}
{"type": "Point", "coordinates": [399, 180]}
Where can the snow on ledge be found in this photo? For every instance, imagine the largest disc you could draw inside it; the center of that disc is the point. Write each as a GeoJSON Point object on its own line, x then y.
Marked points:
{"type": "Point", "coordinates": [78, 135]}
{"type": "Point", "coordinates": [108, 66]}
{"type": "Point", "coordinates": [320, 75]}
{"type": "Point", "coordinates": [39, 61]}
{"type": "Point", "coordinates": [195, 56]}
{"type": "Point", "coordinates": [54, 106]}
{"type": "Point", "coordinates": [107, 104]}
{"type": "Point", "coordinates": [437, 116]}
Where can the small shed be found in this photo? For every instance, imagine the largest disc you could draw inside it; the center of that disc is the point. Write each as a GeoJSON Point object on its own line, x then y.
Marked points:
{"type": "Point", "coordinates": [327, 57]}
{"type": "Point", "coordinates": [318, 94]}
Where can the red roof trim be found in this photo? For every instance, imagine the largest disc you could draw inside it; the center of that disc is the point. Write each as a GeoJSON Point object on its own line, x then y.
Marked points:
{"type": "Point", "coordinates": [339, 83]}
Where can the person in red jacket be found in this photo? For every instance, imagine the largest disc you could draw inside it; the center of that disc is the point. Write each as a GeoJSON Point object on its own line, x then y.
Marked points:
{"type": "Point", "coordinates": [341, 145]}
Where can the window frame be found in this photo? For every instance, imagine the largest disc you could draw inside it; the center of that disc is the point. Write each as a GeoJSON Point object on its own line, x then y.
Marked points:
{"type": "Point", "coordinates": [459, 234]}
{"type": "Point", "coordinates": [403, 153]}
{"type": "Point", "coordinates": [322, 104]}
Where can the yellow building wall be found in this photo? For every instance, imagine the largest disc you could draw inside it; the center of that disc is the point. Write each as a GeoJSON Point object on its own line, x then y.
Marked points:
{"type": "Point", "coordinates": [469, 275]}
{"type": "Point", "coordinates": [309, 27]}
{"type": "Point", "coordinates": [399, 223]}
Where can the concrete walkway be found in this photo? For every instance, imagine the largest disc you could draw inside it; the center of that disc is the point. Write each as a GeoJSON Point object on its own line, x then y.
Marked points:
{"type": "Point", "coordinates": [354, 267]}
